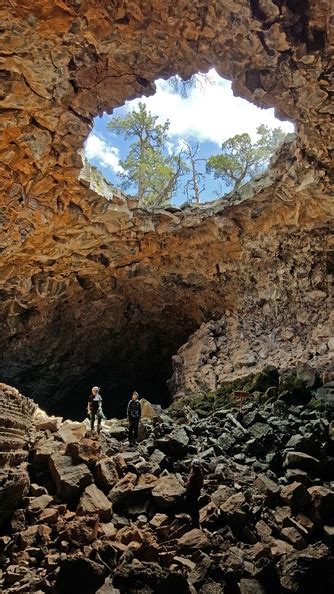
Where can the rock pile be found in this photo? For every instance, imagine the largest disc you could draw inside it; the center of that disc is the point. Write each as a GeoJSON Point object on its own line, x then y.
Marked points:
{"type": "Point", "coordinates": [16, 414]}
{"type": "Point", "coordinates": [102, 517]}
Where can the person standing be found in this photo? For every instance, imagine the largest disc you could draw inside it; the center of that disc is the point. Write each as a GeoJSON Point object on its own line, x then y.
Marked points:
{"type": "Point", "coordinates": [193, 492]}
{"type": "Point", "coordinates": [94, 408]}
{"type": "Point", "coordinates": [134, 414]}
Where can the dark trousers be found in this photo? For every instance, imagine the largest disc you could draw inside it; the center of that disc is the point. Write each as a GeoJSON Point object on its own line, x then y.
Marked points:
{"type": "Point", "coordinates": [95, 414]}
{"type": "Point", "coordinates": [191, 507]}
{"type": "Point", "coordinates": [133, 430]}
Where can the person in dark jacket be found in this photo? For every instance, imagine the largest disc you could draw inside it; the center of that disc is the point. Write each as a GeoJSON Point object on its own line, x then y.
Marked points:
{"type": "Point", "coordinates": [134, 414]}
{"type": "Point", "coordinates": [193, 492]}
{"type": "Point", "coordinates": [94, 408]}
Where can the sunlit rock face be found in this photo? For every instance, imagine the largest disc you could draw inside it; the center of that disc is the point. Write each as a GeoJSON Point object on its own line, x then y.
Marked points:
{"type": "Point", "coordinates": [97, 290]}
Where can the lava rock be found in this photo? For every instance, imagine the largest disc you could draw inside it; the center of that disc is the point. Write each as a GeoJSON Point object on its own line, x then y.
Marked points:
{"type": "Point", "coordinates": [93, 501]}
{"type": "Point", "coordinates": [78, 574]}
{"type": "Point", "coordinates": [167, 492]}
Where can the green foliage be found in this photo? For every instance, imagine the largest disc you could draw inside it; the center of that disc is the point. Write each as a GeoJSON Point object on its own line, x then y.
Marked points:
{"type": "Point", "coordinates": [241, 159]}
{"type": "Point", "coordinates": [147, 167]}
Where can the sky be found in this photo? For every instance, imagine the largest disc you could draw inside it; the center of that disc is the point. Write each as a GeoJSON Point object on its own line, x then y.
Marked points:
{"type": "Point", "coordinates": [209, 115]}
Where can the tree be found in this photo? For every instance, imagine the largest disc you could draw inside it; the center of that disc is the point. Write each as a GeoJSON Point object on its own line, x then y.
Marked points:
{"type": "Point", "coordinates": [148, 167]}
{"type": "Point", "coordinates": [194, 186]}
{"type": "Point", "coordinates": [185, 87]}
{"type": "Point", "coordinates": [241, 159]}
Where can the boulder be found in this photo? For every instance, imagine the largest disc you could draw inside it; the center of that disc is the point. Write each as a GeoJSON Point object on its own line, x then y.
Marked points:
{"type": "Point", "coordinates": [44, 449]}
{"type": "Point", "coordinates": [49, 515]}
{"type": "Point", "coordinates": [251, 586]}
{"type": "Point", "coordinates": [122, 490]}
{"type": "Point", "coordinates": [193, 540]}
{"type": "Point", "coordinates": [70, 480]}
{"type": "Point", "coordinates": [307, 571]}
{"type": "Point", "coordinates": [79, 530]}
{"type": "Point", "coordinates": [106, 475]}
{"type": "Point", "coordinates": [87, 451]}
{"type": "Point", "coordinates": [78, 574]}
{"type": "Point", "coordinates": [235, 511]}
{"type": "Point", "coordinates": [295, 389]}
{"type": "Point", "coordinates": [296, 495]}
{"type": "Point", "coordinates": [265, 485]}
{"type": "Point", "coordinates": [167, 492]}
{"type": "Point", "coordinates": [303, 462]}
{"type": "Point", "coordinates": [308, 445]}
{"type": "Point", "coordinates": [117, 432]}
{"type": "Point", "coordinates": [175, 443]}
{"type": "Point", "coordinates": [220, 495]}
{"type": "Point", "coordinates": [148, 410]}
{"type": "Point", "coordinates": [139, 576]}
{"type": "Point", "coordinates": [93, 501]}
{"type": "Point", "coordinates": [322, 504]}
{"type": "Point", "coordinates": [45, 423]}
{"type": "Point", "coordinates": [37, 504]}
{"type": "Point", "coordinates": [294, 537]}
{"type": "Point", "coordinates": [71, 431]}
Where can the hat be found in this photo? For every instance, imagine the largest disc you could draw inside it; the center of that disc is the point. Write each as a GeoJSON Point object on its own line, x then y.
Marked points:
{"type": "Point", "coordinates": [96, 388]}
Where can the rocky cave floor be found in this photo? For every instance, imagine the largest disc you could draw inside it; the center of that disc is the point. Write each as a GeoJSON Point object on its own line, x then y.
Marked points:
{"type": "Point", "coordinates": [82, 514]}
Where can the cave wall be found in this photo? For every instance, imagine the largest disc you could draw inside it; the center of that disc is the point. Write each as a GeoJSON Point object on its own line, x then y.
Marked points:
{"type": "Point", "coordinates": [92, 287]}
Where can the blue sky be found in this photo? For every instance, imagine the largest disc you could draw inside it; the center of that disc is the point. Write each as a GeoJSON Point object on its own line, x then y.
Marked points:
{"type": "Point", "coordinates": [208, 115]}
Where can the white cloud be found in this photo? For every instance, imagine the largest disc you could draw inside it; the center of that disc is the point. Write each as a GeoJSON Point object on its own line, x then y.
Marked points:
{"type": "Point", "coordinates": [106, 154]}
{"type": "Point", "coordinates": [210, 112]}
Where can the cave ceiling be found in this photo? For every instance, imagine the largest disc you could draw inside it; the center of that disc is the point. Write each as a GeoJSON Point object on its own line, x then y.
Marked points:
{"type": "Point", "coordinates": [85, 279]}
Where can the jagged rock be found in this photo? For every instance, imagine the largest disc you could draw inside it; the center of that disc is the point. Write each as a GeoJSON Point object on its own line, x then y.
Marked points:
{"type": "Point", "coordinates": [147, 409]}
{"type": "Point", "coordinates": [174, 444]}
{"type": "Point", "coordinates": [221, 494]}
{"type": "Point", "coordinates": [122, 490]}
{"type": "Point", "coordinates": [138, 575]}
{"type": "Point", "coordinates": [70, 480]}
{"type": "Point", "coordinates": [301, 570]}
{"type": "Point", "coordinates": [307, 445]}
{"type": "Point", "coordinates": [265, 485]}
{"type": "Point", "coordinates": [234, 511]}
{"type": "Point", "coordinates": [93, 501]}
{"type": "Point", "coordinates": [44, 449]}
{"type": "Point", "coordinates": [18, 521]}
{"type": "Point", "coordinates": [44, 423]}
{"type": "Point", "coordinates": [37, 504]}
{"type": "Point", "coordinates": [195, 539]}
{"type": "Point", "coordinates": [87, 451]}
{"type": "Point", "coordinates": [303, 462]}
{"type": "Point", "coordinates": [159, 520]}
{"type": "Point", "coordinates": [78, 530]}
{"type": "Point", "coordinates": [296, 495]}
{"type": "Point", "coordinates": [322, 501]}
{"type": "Point", "coordinates": [294, 537]}
{"type": "Point", "coordinates": [16, 415]}
{"type": "Point", "coordinates": [251, 586]}
{"type": "Point", "coordinates": [106, 475]}
{"type": "Point", "coordinates": [71, 432]}
{"type": "Point", "coordinates": [35, 535]}
{"type": "Point", "coordinates": [48, 516]}
{"type": "Point", "coordinates": [78, 574]}
{"type": "Point", "coordinates": [167, 492]}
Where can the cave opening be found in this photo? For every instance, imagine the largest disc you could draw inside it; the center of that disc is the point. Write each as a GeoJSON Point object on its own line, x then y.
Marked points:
{"type": "Point", "coordinates": [200, 114]}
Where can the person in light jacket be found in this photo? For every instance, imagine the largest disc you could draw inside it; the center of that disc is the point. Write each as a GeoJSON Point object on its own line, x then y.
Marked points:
{"type": "Point", "coordinates": [94, 408]}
